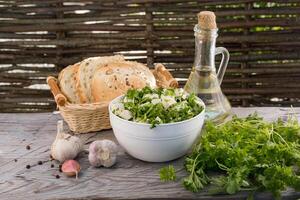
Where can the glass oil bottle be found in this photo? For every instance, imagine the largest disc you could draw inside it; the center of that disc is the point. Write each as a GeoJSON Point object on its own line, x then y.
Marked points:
{"type": "Point", "coordinates": [204, 81]}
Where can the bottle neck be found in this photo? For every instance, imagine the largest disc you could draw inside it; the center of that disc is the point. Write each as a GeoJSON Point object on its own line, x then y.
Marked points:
{"type": "Point", "coordinates": [205, 44]}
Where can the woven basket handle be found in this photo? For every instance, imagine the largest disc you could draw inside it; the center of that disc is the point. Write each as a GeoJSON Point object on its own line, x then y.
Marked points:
{"type": "Point", "coordinates": [60, 99]}
{"type": "Point", "coordinates": [163, 77]}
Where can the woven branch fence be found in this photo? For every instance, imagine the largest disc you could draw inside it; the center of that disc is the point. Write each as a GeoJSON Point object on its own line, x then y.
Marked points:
{"type": "Point", "coordinates": [39, 38]}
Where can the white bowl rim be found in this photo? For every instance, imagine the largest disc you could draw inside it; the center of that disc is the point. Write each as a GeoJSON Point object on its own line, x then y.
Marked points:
{"type": "Point", "coordinates": [148, 125]}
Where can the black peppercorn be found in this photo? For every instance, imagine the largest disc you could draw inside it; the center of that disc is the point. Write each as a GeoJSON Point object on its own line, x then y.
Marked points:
{"type": "Point", "coordinates": [27, 166]}
{"type": "Point", "coordinates": [15, 160]}
{"type": "Point", "coordinates": [57, 176]}
{"type": "Point", "coordinates": [28, 147]}
{"type": "Point", "coordinates": [40, 163]}
{"type": "Point", "coordinates": [52, 165]}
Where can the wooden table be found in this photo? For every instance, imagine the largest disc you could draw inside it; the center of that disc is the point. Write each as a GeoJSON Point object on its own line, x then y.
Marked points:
{"type": "Point", "coordinates": [128, 179]}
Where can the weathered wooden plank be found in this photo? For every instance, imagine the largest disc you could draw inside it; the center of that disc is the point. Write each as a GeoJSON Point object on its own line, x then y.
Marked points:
{"type": "Point", "coordinates": [129, 179]}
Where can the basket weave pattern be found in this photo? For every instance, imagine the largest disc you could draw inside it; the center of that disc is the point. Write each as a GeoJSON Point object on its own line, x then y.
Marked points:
{"type": "Point", "coordinates": [83, 118]}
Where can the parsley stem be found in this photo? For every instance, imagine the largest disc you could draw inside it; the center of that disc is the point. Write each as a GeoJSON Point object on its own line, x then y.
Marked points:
{"type": "Point", "coordinates": [194, 164]}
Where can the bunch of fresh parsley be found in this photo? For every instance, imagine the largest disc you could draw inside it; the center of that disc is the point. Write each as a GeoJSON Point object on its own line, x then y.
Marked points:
{"type": "Point", "coordinates": [141, 106]}
{"type": "Point", "coordinates": [249, 153]}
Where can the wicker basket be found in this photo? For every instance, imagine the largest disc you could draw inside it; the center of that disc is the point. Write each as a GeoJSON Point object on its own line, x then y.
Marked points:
{"type": "Point", "coordinates": [84, 118]}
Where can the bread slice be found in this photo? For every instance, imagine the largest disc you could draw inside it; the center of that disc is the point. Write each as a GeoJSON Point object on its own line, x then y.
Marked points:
{"type": "Point", "coordinates": [86, 71]}
{"type": "Point", "coordinates": [67, 82]}
{"type": "Point", "coordinates": [115, 79]}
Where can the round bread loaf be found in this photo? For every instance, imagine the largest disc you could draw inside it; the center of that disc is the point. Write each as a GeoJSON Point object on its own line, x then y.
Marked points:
{"type": "Point", "coordinates": [67, 82]}
{"type": "Point", "coordinates": [86, 71]}
{"type": "Point", "coordinates": [115, 79]}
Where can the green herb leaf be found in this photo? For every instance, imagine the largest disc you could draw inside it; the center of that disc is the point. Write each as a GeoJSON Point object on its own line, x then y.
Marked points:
{"type": "Point", "coordinates": [167, 173]}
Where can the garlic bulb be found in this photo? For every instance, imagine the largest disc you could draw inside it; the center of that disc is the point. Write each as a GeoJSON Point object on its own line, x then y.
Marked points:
{"type": "Point", "coordinates": [103, 153]}
{"type": "Point", "coordinates": [65, 146]}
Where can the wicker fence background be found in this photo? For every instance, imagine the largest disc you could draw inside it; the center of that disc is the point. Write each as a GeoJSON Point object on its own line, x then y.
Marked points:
{"type": "Point", "coordinates": [39, 38]}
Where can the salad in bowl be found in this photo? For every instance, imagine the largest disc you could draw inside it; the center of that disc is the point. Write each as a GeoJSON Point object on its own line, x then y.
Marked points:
{"type": "Point", "coordinates": [156, 124]}
{"type": "Point", "coordinates": [158, 106]}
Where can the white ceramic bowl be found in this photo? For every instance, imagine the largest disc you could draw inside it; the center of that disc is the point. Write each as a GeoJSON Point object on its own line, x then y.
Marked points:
{"type": "Point", "coordinates": [163, 143]}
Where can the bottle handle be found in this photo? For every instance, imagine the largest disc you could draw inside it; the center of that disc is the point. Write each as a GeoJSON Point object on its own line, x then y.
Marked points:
{"type": "Point", "coordinates": [224, 62]}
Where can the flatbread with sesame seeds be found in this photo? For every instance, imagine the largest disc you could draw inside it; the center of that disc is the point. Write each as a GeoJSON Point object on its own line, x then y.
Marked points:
{"type": "Point", "coordinates": [86, 72]}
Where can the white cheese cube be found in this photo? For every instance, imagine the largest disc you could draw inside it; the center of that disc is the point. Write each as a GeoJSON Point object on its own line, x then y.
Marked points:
{"type": "Point", "coordinates": [117, 106]}
{"type": "Point", "coordinates": [167, 101]}
{"type": "Point", "coordinates": [158, 119]}
{"type": "Point", "coordinates": [151, 96]}
{"type": "Point", "coordinates": [126, 100]}
{"type": "Point", "coordinates": [155, 101]}
{"type": "Point", "coordinates": [179, 92]}
{"type": "Point", "coordinates": [125, 114]}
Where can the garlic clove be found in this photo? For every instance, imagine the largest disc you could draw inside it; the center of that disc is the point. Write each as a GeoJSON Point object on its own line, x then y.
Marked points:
{"type": "Point", "coordinates": [71, 168]}
{"type": "Point", "coordinates": [109, 162]}
{"type": "Point", "coordinates": [104, 155]}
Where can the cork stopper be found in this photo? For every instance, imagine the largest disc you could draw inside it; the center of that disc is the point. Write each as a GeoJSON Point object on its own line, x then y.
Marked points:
{"type": "Point", "coordinates": [207, 20]}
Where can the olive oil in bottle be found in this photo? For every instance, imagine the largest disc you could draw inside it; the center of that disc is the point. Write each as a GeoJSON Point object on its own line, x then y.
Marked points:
{"type": "Point", "coordinates": [204, 81]}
